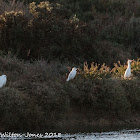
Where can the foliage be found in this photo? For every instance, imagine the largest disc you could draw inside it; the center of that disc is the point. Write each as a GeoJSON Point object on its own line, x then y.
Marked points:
{"type": "Point", "coordinates": [64, 33]}
{"type": "Point", "coordinates": [119, 69]}
{"type": "Point", "coordinates": [76, 31]}
{"type": "Point", "coordinates": [37, 96]}
{"type": "Point", "coordinates": [96, 71]}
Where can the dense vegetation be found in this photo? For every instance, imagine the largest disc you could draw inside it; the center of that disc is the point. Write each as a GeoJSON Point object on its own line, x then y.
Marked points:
{"type": "Point", "coordinates": [101, 31]}
{"type": "Point", "coordinates": [41, 40]}
{"type": "Point", "coordinates": [37, 96]}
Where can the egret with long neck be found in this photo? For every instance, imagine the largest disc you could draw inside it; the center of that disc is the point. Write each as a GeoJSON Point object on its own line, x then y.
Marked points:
{"type": "Point", "coordinates": [128, 70]}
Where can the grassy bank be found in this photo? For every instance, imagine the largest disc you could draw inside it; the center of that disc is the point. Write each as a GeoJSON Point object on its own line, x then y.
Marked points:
{"type": "Point", "coordinates": [37, 96]}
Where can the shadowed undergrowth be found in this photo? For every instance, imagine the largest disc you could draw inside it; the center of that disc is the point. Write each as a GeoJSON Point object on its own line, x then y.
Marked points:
{"type": "Point", "coordinates": [37, 96]}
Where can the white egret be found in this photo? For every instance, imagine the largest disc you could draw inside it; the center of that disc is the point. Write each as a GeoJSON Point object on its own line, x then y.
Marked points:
{"type": "Point", "coordinates": [72, 74]}
{"type": "Point", "coordinates": [3, 80]}
{"type": "Point", "coordinates": [128, 70]}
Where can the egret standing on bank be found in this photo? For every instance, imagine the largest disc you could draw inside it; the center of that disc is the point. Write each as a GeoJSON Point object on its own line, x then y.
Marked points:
{"type": "Point", "coordinates": [3, 80]}
{"type": "Point", "coordinates": [128, 70]}
{"type": "Point", "coordinates": [72, 74]}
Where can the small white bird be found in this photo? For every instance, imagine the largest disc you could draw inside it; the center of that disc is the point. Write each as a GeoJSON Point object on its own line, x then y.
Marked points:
{"type": "Point", "coordinates": [3, 80]}
{"type": "Point", "coordinates": [72, 74]}
{"type": "Point", "coordinates": [128, 70]}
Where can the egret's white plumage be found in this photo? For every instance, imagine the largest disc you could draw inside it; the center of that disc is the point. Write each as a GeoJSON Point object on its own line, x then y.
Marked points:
{"type": "Point", "coordinates": [3, 80]}
{"type": "Point", "coordinates": [72, 74]}
{"type": "Point", "coordinates": [128, 70]}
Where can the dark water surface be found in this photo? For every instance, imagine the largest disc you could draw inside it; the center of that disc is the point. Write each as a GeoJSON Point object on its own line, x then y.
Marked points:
{"type": "Point", "coordinates": [132, 134]}
{"type": "Point", "coordinates": [114, 135]}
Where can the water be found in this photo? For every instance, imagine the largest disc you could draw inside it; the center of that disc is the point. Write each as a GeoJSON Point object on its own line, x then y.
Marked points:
{"type": "Point", "coordinates": [114, 135]}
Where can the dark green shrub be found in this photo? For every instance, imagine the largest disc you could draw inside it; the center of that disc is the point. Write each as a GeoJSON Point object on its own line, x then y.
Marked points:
{"type": "Point", "coordinates": [37, 96]}
{"type": "Point", "coordinates": [17, 111]}
{"type": "Point", "coordinates": [113, 98]}
{"type": "Point", "coordinates": [132, 91]}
